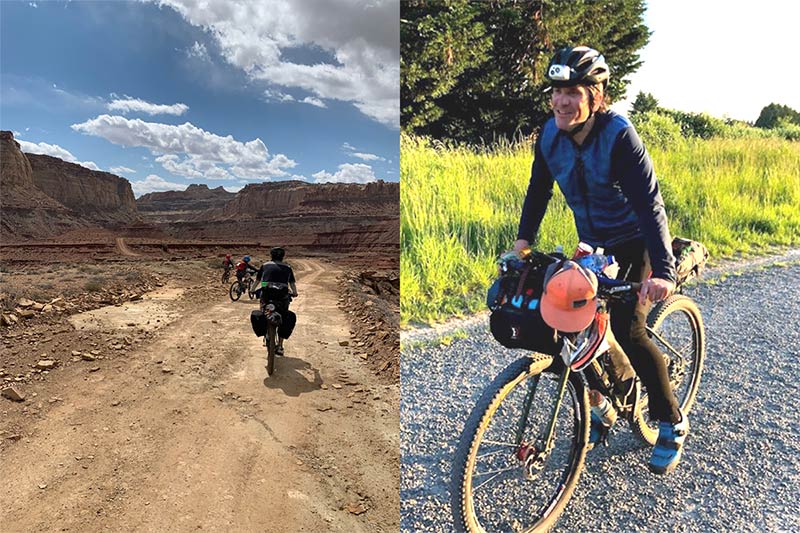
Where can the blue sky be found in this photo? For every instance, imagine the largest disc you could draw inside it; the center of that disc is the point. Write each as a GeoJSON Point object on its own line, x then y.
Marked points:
{"type": "Point", "coordinates": [722, 57]}
{"type": "Point", "coordinates": [169, 93]}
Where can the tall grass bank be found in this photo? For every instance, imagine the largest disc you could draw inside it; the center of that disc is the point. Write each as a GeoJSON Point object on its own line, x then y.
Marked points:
{"type": "Point", "coordinates": [460, 208]}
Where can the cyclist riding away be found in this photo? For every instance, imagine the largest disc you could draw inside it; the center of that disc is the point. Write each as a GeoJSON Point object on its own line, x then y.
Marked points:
{"type": "Point", "coordinates": [244, 266]}
{"type": "Point", "coordinates": [227, 264]}
{"type": "Point", "coordinates": [279, 278]}
{"type": "Point", "coordinates": [608, 181]}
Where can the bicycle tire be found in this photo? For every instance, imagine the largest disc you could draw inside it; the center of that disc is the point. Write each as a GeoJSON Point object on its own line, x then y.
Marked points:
{"type": "Point", "coordinates": [250, 292]}
{"type": "Point", "coordinates": [272, 334]}
{"type": "Point", "coordinates": [676, 303]}
{"type": "Point", "coordinates": [462, 489]}
{"type": "Point", "coordinates": [234, 291]}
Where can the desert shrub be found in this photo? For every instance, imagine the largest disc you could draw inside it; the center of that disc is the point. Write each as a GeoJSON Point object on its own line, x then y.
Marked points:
{"type": "Point", "coordinates": [93, 286]}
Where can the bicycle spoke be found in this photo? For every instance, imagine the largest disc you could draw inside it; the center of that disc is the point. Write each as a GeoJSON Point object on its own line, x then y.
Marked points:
{"type": "Point", "coordinates": [496, 473]}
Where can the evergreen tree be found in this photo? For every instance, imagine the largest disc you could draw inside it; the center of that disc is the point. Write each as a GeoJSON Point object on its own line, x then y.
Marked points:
{"type": "Point", "coordinates": [774, 114]}
{"type": "Point", "coordinates": [644, 103]}
{"type": "Point", "coordinates": [500, 92]}
{"type": "Point", "coordinates": [438, 41]}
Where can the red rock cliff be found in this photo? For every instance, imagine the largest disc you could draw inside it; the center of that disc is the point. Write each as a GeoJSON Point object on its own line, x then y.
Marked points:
{"type": "Point", "coordinates": [341, 199]}
{"type": "Point", "coordinates": [99, 196]}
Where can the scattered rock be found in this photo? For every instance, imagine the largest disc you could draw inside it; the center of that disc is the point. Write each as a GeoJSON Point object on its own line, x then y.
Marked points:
{"type": "Point", "coordinates": [75, 353]}
{"type": "Point", "coordinates": [337, 386]}
{"type": "Point", "coordinates": [356, 508]}
{"type": "Point", "coordinates": [25, 313]}
{"type": "Point", "coordinates": [25, 303]}
{"type": "Point", "coordinates": [46, 364]}
{"type": "Point", "coordinates": [12, 394]}
{"type": "Point", "coordinates": [166, 370]}
{"type": "Point", "coordinates": [344, 343]}
{"type": "Point", "coordinates": [94, 369]}
{"type": "Point", "coordinates": [87, 357]}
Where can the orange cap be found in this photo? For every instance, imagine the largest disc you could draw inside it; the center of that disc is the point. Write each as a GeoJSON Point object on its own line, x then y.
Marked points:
{"type": "Point", "coordinates": [569, 300]}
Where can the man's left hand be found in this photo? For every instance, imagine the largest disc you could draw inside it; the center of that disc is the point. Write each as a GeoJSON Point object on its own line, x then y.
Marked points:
{"type": "Point", "coordinates": [656, 289]}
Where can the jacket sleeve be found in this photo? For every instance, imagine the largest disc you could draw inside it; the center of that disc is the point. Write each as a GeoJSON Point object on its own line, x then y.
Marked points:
{"type": "Point", "coordinates": [633, 167]}
{"type": "Point", "coordinates": [540, 190]}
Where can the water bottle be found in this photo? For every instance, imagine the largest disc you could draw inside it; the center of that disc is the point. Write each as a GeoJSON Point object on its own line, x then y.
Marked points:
{"type": "Point", "coordinates": [602, 408]}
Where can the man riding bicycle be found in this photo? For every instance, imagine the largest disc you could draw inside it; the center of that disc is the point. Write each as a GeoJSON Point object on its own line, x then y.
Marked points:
{"type": "Point", "coordinates": [243, 267]}
{"type": "Point", "coordinates": [608, 181]}
{"type": "Point", "coordinates": [279, 280]}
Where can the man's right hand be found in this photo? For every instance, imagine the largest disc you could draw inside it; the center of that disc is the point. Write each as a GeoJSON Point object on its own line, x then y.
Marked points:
{"type": "Point", "coordinates": [521, 244]}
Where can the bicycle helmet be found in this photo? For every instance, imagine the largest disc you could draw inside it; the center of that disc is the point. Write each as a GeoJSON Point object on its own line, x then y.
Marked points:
{"type": "Point", "coordinates": [277, 253]}
{"type": "Point", "coordinates": [246, 259]}
{"type": "Point", "coordinates": [227, 256]}
{"type": "Point", "coordinates": [569, 300]}
{"type": "Point", "coordinates": [578, 65]}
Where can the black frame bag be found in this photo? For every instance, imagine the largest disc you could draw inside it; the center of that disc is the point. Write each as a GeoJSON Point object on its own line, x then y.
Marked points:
{"type": "Point", "coordinates": [516, 319]}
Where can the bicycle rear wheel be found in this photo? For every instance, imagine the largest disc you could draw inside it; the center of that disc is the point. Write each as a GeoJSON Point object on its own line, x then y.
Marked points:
{"type": "Point", "coordinates": [502, 478]}
{"type": "Point", "coordinates": [676, 327]}
{"type": "Point", "coordinates": [272, 336]}
{"type": "Point", "coordinates": [235, 291]}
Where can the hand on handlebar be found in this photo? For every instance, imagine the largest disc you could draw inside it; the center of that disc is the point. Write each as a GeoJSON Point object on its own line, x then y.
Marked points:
{"type": "Point", "coordinates": [655, 289]}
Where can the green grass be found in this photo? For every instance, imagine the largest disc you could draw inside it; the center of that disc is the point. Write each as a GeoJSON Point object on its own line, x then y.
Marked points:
{"type": "Point", "coordinates": [460, 209]}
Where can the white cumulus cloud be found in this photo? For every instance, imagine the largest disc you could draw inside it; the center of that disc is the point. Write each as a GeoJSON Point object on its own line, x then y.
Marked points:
{"type": "Point", "coordinates": [54, 150]}
{"type": "Point", "coordinates": [361, 38]}
{"type": "Point", "coordinates": [189, 151]}
{"type": "Point", "coordinates": [122, 170]}
{"type": "Point", "coordinates": [127, 105]}
{"type": "Point", "coordinates": [313, 101]}
{"type": "Point", "coordinates": [347, 173]}
{"type": "Point", "coordinates": [154, 183]}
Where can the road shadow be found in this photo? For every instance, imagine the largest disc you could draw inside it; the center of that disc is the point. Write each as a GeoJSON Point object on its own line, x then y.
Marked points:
{"type": "Point", "coordinates": [290, 376]}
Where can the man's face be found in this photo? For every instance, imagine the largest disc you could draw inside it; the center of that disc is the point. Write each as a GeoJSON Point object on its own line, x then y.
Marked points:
{"type": "Point", "coordinates": [570, 106]}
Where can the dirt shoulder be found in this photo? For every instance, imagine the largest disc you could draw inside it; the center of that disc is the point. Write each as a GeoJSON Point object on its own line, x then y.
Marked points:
{"type": "Point", "coordinates": [157, 415]}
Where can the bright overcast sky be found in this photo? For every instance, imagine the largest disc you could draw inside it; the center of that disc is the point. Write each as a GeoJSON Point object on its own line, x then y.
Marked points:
{"type": "Point", "coordinates": [726, 58]}
{"type": "Point", "coordinates": [172, 92]}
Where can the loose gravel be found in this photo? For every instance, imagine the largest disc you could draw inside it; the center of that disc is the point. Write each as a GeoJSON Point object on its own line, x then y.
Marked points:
{"type": "Point", "coordinates": [740, 466]}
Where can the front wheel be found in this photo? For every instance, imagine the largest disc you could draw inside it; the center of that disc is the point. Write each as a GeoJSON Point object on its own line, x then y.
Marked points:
{"type": "Point", "coordinates": [675, 325]}
{"type": "Point", "coordinates": [503, 477]}
{"type": "Point", "coordinates": [272, 337]}
{"type": "Point", "coordinates": [235, 291]}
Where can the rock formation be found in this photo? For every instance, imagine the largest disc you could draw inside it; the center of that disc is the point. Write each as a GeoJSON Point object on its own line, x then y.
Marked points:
{"type": "Point", "coordinates": [288, 197]}
{"type": "Point", "coordinates": [98, 196]}
{"type": "Point", "coordinates": [25, 211]}
{"type": "Point", "coordinates": [43, 196]}
{"type": "Point", "coordinates": [177, 206]}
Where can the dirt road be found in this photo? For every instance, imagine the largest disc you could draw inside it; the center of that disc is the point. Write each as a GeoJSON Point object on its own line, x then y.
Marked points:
{"type": "Point", "coordinates": [183, 431]}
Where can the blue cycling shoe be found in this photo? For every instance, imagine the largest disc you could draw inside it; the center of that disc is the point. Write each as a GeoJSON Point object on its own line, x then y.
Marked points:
{"type": "Point", "coordinates": [669, 446]}
{"type": "Point", "coordinates": [598, 432]}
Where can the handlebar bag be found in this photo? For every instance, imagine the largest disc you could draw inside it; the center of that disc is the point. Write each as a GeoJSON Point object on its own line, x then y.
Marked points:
{"type": "Point", "coordinates": [516, 319]}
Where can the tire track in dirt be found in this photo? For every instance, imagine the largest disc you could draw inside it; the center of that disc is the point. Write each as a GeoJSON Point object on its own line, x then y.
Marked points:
{"type": "Point", "coordinates": [124, 249]}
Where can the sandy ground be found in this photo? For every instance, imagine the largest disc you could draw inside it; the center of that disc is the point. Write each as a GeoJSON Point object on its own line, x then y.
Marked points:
{"type": "Point", "coordinates": [181, 429]}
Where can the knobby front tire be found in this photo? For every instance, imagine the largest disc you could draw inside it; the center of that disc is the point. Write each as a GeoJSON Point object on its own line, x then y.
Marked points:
{"type": "Point", "coordinates": [234, 291]}
{"type": "Point", "coordinates": [675, 324]}
{"type": "Point", "coordinates": [488, 490]}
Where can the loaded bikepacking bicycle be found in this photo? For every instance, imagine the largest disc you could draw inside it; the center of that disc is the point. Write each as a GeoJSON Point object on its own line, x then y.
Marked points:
{"type": "Point", "coordinates": [245, 286]}
{"type": "Point", "coordinates": [523, 446]}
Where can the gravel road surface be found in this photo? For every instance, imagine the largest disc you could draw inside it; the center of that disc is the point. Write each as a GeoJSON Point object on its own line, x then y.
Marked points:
{"type": "Point", "coordinates": [740, 466]}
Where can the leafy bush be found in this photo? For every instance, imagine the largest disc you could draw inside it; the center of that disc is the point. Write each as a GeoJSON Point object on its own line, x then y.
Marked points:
{"type": "Point", "coordinates": [656, 130]}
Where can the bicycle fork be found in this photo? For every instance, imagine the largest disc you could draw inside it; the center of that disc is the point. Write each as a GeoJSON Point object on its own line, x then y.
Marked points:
{"type": "Point", "coordinates": [534, 456]}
